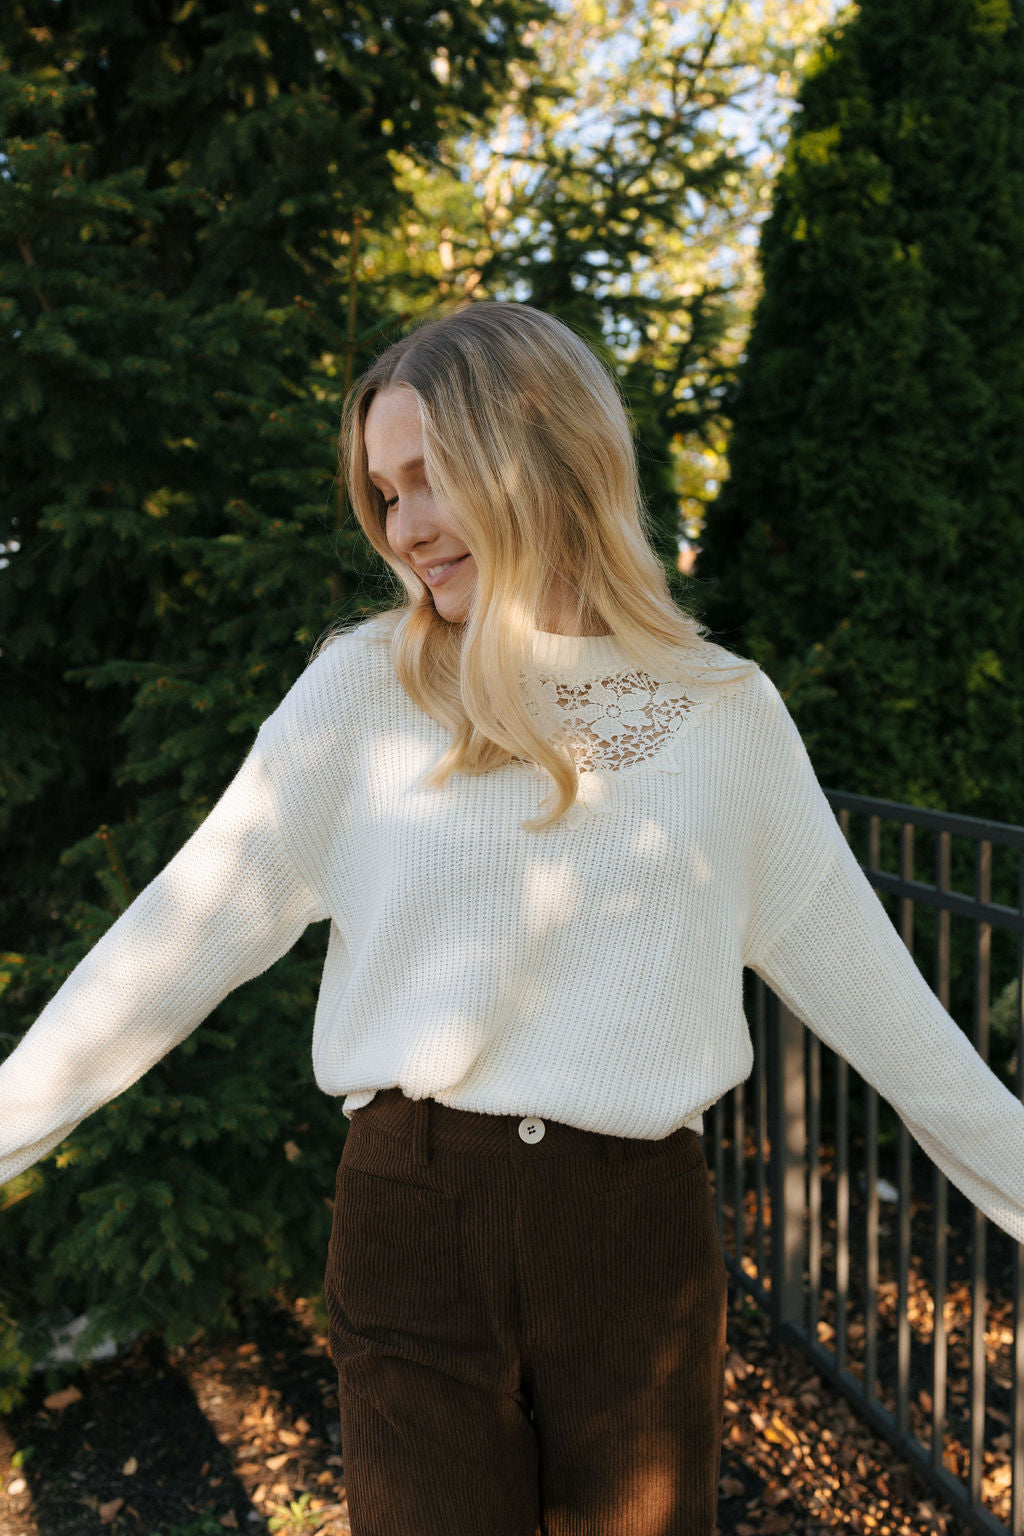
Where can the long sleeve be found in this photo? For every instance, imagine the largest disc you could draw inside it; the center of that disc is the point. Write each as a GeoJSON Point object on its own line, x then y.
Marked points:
{"type": "Point", "coordinates": [222, 911]}
{"type": "Point", "coordinates": [835, 959]}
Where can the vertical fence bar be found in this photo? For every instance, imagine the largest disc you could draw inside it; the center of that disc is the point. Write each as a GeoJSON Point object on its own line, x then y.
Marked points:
{"type": "Point", "coordinates": [717, 1117]}
{"type": "Point", "coordinates": [903, 1234]}
{"type": "Point", "coordinates": [871, 1179]}
{"type": "Point", "coordinates": [760, 1127]}
{"type": "Point", "coordinates": [941, 1206]}
{"type": "Point", "coordinates": [982, 994]}
{"type": "Point", "coordinates": [842, 1161]}
{"type": "Point", "coordinates": [871, 1244]}
{"type": "Point", "coordinates": [788, 1132]}
{"type": "Point", "coordinates": [739, 1165]}
{"type": "Point", "coordinates": [842, 1210]}
{"type": "Point", "coordinates": [814, 1183]}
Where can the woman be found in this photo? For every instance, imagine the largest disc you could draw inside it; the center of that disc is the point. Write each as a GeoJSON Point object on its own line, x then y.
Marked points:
{"type": "Point", "coordinates": [528, 1000]}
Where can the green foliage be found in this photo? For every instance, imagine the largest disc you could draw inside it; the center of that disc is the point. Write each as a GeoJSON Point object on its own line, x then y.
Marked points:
{"type": "Point", "coordinates": [867, 546]}
{"type": "Point", "coordinates": [184, 198]}
{"type": "Point", "coordinates": [1004, 1027]}
{"type": "Point", "coordinates": [296, 1517]}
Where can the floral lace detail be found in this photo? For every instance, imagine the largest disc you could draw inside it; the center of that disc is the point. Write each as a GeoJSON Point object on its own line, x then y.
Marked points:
{"type": "Point", "coordinates": [616, 726]}
{"type": "Point", "coordinates": [616, 722]}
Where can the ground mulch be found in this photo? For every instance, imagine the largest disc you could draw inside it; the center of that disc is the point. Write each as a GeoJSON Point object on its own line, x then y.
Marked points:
{"type": "Point", "coordinates": [242, 1434]}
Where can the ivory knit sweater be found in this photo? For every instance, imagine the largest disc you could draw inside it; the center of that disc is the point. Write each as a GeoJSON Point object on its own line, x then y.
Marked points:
{"type": "Point", "coordinates": [589, 973]}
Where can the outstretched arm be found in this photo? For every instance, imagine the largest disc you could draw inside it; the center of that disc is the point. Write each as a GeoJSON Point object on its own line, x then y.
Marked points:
{"type": "Point", "coordinates": [223, 910]}
{"type": "Point", "coordinates": [821, 939]}
{"type": "Point", "coordinates": [842, 968]}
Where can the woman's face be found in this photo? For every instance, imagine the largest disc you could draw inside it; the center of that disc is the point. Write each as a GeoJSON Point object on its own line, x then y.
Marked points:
{"type": "Point", "coordinates": [416, 529]}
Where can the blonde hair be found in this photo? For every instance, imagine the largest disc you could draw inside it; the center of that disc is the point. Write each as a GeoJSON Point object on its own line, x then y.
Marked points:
{"type": "Point", "coordinates": [528, 449]}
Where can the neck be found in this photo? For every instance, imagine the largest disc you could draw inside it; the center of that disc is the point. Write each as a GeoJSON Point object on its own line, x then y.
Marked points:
{"type": "Point", "coordinates": [564, 614]}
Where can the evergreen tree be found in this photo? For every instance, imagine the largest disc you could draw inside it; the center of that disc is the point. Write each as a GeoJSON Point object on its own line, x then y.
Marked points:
{"type": "Point", "coordinates": [868, 545]}
{"type": "Point", "coordinates": [184, 186]}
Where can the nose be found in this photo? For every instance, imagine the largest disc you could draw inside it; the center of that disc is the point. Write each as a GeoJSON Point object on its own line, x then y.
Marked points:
{"type": "Point", "coordinates": [411, 524]}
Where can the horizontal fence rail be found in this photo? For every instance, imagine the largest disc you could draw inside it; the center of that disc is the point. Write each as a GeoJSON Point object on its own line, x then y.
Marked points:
{"type": "Point", "coordinates": [898, 1290]}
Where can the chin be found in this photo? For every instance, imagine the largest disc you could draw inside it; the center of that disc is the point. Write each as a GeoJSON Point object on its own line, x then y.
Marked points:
{"type": "Point", "coordinates": [455, 611]}
{"type": "Point", "coordinates": [452, 618]}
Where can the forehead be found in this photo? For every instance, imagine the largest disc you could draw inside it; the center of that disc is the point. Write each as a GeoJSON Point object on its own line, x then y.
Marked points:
{"type": "Point", "coordinates": [393, 428]}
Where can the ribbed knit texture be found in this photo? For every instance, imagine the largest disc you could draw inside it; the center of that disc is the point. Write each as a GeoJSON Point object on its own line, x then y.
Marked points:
{"type": "Point", "coordinates": [590, 973]}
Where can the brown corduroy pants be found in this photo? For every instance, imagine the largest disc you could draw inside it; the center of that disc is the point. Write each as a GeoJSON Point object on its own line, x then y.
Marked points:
{"type": "Point", "coordinates": [528, 1323]}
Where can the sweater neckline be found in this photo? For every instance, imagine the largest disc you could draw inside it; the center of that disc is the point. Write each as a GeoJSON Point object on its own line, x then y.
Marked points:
{"type": "Point", "coordinates": [596, 652]}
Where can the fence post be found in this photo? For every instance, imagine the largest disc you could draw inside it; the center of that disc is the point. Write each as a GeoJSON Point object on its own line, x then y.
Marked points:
{"type": "Point", "coordinates": [787, 1131]}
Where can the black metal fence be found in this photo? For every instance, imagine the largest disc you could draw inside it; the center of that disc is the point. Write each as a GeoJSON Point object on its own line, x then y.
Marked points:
{"type": "Point", "coordinates": [894, 1285]}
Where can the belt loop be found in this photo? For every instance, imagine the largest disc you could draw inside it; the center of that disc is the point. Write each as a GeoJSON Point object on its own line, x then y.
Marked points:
{"type": "Point", "coordinates": [421, 1131]}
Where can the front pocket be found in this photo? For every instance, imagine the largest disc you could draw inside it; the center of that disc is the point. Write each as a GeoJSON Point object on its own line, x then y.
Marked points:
{"type": "Point", "coordinates": [656, 1246]}
{"type": "Point", "coordinates": [394, 1254]}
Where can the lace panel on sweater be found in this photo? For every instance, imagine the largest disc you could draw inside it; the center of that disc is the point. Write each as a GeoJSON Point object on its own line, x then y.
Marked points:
{"type": "Point", "coordinates": [614, 722]}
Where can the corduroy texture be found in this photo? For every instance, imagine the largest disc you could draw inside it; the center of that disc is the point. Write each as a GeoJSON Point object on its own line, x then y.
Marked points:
{"type": "Point", "coordinates": [530, 1337]}
{"type": "Point", "coordinates": [591, 973]}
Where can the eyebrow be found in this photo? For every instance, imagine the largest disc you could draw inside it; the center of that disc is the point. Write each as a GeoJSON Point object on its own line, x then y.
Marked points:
{"type": "Point", "coordinates": [403, 469]}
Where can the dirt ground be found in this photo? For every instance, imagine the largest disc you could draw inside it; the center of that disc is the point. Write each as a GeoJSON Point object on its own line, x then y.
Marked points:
{"type": "Point", "coordinates": [242, 1434]}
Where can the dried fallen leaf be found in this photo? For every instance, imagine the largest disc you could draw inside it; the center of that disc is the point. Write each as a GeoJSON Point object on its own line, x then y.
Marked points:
{"type": "Point", "coordinates": [731, 1487]}
{"type": "Point", "coordinates": [275, 1463]}
{"type": "Point", "coordinates": [779, 1432]}
{"type": "Point", "coordinates": [62, 1399]}
{"type": "Point", "coordinates": [286, 1437]}
{"type": "Point", "coordinates": [107, 1512]}
{"type": "Point", "coordinates": [230, 1520]}
{"type": "Point", "coordinates": [130, 1467]}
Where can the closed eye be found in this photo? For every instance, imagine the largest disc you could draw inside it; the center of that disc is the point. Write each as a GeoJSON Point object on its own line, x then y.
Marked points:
{"type": "Point", "coordinates": [389, 504]}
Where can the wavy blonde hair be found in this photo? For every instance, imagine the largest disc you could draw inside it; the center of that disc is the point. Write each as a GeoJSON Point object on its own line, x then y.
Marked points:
{"type": "Point", "coordinates": [528, 448]}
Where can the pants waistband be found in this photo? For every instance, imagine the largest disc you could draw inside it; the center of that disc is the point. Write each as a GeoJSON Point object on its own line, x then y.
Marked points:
{"type": "Point", "coordinates": [428, 1125]}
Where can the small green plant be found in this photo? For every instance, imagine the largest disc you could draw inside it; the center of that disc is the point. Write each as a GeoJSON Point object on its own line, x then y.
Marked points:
{"type": "Point", "coordinates": [297, 1519]}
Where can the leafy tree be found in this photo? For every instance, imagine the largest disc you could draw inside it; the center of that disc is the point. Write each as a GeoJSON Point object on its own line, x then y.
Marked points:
{"type": "Point", "coordinates": [184, 186]}
{"type": "Point", "coordinates": [621, 188]}
{"type": "Point", "coordinates": [867, 546]}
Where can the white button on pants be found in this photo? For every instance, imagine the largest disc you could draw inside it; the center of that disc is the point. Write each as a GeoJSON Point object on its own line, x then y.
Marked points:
{"type": "Point", "coordinates": [531, 1130]}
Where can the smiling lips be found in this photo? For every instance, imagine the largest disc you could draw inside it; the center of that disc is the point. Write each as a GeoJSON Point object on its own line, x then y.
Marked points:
{"type": "Point", "coordinates": [434, 573]}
